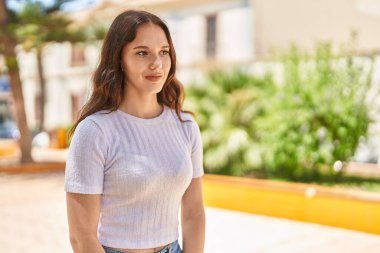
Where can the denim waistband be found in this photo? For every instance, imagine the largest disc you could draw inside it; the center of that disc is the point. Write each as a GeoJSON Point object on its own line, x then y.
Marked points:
{"type": "Point", "coordinates": [167, 249]}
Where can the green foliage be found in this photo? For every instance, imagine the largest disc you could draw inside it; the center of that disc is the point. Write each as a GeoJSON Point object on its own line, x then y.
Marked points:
{"type": "Point", "coordinates": [319, 114]}
{"type": "Point", "coordinates": [97, 31]}
{"type": "Point", "coordinates": [11, 63]}
{"type": "Point", "coordinates": [37, 24]}
{"type": "Point", "coordinates": [226, 107]}
{"type": "Point", "coordinates": [294, 129]}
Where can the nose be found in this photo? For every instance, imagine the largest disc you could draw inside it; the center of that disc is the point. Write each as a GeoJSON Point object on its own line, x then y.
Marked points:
{"type": "Point", "coordinates": [156, 62]}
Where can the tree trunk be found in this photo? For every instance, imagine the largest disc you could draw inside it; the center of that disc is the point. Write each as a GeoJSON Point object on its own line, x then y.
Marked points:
{"type": "Point", "coordinates": [16, 88]}
{"type": "Point", "coordinates": [40, 70]}
{"type": "Point", "coordinates": [9, 45]}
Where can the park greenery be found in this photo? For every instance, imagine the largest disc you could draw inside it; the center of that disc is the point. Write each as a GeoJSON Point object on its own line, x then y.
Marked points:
{"type": "Point", "coordinates": [306, 112]}
{"type": "Point", "coordinates": [33, 26]}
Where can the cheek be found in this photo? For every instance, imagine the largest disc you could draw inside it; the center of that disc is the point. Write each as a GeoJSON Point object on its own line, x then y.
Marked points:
{"type": "Point", "coordinates": [133, 68]}
{"type": "Point", "coordinates": [168, 64]}
{"type": "Point", "coordinates": [131, 75]}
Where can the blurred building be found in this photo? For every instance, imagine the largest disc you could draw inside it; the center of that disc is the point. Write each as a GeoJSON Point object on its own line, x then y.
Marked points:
{"type": "Point", "coordinates": [206, 34]}
{"type": "Point", "coordinates": [304, 22]}
{"type": "Point", "coordinates": [67, 70]}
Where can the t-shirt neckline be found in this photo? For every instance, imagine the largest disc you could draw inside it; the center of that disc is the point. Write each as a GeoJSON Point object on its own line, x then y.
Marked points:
{"type": "Point", "coordinates": [156, 120]}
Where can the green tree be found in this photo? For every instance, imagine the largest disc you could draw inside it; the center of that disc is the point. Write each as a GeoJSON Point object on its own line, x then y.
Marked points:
{"type": "Point", "coordinates": [37, 26]}
{"type": "Point", "coordinates": [8, 44]}
{"type": "Point", "coordinates": [33, 27]}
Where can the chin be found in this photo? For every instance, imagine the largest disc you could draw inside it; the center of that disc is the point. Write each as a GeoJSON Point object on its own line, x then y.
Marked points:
{"type": "Point", "coordinates": [159, 90]}
{"type": "Point", "coordinates": [155, 90]}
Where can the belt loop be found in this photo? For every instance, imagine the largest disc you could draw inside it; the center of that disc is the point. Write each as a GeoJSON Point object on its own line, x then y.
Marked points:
{"type": "Point", "coordinates": [165, 250]}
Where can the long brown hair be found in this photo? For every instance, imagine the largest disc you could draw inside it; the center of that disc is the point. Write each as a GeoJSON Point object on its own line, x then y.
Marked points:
{"type": "Point", "coordinates": [108, 79]}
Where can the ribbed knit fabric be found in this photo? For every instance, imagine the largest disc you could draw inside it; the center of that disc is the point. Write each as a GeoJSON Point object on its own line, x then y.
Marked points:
{"type": "Point", "coordinates": [142, 167]}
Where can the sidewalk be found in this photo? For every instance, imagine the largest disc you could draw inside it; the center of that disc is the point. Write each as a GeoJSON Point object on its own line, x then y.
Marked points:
{"type": "Point", "coordinates": [33, 219]}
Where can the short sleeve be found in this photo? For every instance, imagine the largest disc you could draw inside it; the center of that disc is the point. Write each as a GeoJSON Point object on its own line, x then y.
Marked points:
{"type": "Point", "coordinates": [197, 150]}
{"type": "Point", "coordinates": [86, 159]}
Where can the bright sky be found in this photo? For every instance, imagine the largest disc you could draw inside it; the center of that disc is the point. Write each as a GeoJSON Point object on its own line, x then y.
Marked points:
{"type": "Point", "coordinates": [74, 5]}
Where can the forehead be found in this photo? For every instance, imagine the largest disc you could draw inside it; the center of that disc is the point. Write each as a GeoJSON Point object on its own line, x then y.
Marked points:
{"type": "Point", "coordinates": [150, 35]}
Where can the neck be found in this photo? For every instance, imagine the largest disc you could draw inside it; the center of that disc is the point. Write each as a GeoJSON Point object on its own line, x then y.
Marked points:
{"type": "Point", "coordinates": [146, 107]}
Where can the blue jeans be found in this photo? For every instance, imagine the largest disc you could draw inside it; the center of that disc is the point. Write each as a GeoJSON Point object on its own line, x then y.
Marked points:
{"type": "Point", "coordinates": [171, 248]}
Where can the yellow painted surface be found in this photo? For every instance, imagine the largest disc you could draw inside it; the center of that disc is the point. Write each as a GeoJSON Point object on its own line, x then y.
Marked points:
{"type": "Point", "coordinates": [33, 167]}
{"type": "Point", "coordinates": [339, 208]}
{"type": "Point", "coordinates": [8, 147]}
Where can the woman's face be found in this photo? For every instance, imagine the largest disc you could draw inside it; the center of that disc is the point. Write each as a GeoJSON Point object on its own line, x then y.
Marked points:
{"type": "Point", "coordinates": [146, 61]}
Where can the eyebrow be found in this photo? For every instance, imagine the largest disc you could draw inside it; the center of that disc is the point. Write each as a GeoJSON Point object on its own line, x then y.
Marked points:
{"type": "Point", "coordinates": [145, 47]}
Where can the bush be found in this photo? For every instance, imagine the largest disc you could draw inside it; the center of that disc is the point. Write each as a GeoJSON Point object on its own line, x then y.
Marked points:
{"type": "Point", "coordinates": [294, 129]}
{"type": "Point", "coordinates": [226, 106]}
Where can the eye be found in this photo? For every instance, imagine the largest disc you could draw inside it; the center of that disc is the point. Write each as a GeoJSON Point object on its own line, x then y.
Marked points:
{"type": "Point", "coordinates": [164, 52]}
{"type": "Point", "coordinates": [142, 53]}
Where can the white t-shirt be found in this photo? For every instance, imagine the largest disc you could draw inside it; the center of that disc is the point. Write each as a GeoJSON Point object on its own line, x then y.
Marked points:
{"type": "Point", "coordinates": [142, 167]}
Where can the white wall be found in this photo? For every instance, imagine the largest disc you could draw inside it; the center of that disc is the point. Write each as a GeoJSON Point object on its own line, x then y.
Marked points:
{"type": "Point", "coordinates": [189, 37]}
{"type": "Point", "coordinates": [235, 35]}
{"type": "Point", "coordinates": [304, 22]}
{"type": "Point", "coordinates": [58, 104]}
{"type": "Point", "coordinates": [61, 79]}
{"type": "Point", "coordinates": [28, 73]}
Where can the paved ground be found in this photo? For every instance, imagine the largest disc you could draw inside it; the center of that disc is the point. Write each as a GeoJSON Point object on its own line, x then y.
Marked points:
{"type": "Point", "coordinates": [33, 219]}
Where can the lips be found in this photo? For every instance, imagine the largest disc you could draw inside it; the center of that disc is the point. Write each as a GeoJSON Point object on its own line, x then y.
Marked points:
{"type": "Point", "coordinates": [154, 78]}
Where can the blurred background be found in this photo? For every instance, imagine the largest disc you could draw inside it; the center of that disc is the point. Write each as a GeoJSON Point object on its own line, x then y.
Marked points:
{"type": "Point", "coordinates": [282, 90]}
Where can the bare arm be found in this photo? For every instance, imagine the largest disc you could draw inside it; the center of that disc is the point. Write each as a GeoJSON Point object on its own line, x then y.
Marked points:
{"type": "Point", "coordinates": [83, 212]}
{"type": "Point", "coordinates": [193, 219]}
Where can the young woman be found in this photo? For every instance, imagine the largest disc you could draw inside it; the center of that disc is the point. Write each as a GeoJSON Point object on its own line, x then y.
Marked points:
{"type": "Point", "coordinates": [135, 156]}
